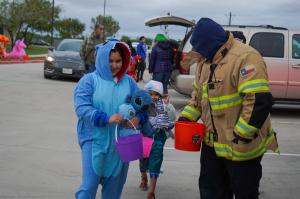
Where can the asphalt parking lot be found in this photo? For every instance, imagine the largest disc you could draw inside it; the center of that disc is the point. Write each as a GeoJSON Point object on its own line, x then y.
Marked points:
{"type": "Point", "coordinates": [40, 158]}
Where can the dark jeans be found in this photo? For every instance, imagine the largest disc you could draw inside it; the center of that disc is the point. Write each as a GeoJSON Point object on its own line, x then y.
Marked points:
{"type": "Point", "coordinates": [221, 178]}
{"type": "Point", "coordinates": [141, 66]}
{"type": "Point", "coordinates": [157, 153]}
{"type": "Point", "coordinates": [144, 164]}
{"type": "Point", "coordinates": [163, 77]}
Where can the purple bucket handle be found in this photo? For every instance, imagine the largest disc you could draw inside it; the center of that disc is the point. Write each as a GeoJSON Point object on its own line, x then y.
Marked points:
{"type": "Point", "coordinates": [116, 130]}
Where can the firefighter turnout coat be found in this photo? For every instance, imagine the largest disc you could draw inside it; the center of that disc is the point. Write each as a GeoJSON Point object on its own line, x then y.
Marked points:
{"type": "Point", "coordinates": [232, 97]}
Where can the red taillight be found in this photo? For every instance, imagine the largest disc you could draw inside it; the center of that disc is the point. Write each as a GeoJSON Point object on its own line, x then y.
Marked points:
{"type": "Point", "coordinates": [183, 56]}
{"type": "Point", "coordinates": [183, 70]}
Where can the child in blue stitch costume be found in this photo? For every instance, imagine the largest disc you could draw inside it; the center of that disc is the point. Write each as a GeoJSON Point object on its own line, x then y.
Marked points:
{"type": "Point", "coordinates": [97, 98]}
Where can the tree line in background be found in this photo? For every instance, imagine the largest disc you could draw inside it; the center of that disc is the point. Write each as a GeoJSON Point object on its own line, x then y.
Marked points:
{"type": "Point", "coordinates": [31, 19]}
{"type": "Point", "coordinates": [126, 38]}
{"type": "Point", "coordinates": [24, 19]}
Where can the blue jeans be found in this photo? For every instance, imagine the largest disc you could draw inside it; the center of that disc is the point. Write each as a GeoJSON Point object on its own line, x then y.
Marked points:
{"type": "Point", "coordinates": [163, 77]}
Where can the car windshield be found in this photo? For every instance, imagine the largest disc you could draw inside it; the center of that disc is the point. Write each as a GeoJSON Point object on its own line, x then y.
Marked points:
{"type": "Point", "coordinates": [69, 46]}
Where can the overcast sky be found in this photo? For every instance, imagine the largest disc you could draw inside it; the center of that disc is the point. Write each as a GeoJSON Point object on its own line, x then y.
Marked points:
{"type": "Point", "coordinates": [131, 14]}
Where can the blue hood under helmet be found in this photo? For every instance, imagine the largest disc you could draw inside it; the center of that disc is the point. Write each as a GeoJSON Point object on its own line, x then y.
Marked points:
{"type": "Point", "coordinates": [102, 59]}
{"type": "Point", "coordinates": [208, 37]}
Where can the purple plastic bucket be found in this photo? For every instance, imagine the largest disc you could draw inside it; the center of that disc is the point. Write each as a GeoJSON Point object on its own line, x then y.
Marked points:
{"type": "Point", "coordinates": [130, 147]}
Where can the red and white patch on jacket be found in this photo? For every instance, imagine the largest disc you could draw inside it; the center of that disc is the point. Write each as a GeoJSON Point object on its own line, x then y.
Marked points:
{"type": "Point", "coordinates": [246, 70]}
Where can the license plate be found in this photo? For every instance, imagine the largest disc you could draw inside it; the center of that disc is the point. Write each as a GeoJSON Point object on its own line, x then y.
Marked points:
{"type": "Point", "coordinates": [67, 71]}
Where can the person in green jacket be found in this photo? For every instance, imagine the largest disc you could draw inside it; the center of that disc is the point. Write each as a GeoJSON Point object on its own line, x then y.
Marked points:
{"type": "Point", "coordinates": [87, 50]}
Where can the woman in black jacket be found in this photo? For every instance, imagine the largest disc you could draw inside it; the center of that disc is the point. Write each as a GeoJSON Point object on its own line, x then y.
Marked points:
{"type": "Point", "coordinates": [161, 61]}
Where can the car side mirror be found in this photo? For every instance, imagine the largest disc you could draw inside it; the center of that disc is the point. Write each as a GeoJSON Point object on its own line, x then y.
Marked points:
{"type": "Point", "coordinates": [51, 48]}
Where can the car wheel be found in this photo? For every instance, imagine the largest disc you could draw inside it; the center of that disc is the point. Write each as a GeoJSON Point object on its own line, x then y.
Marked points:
{"type": "Point", "coordinates": [47, 76]}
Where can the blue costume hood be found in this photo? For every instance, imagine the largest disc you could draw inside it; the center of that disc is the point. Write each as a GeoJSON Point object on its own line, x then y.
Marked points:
{"type": "Point", "coordinates": [102, 59]}
{"type": "Point", "coordinates": [208, 37]}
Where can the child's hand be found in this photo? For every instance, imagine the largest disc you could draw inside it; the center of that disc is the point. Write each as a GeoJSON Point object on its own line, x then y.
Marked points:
{"type": "Point", "coordinates": [166, 99]}
{"type": "Point", "coordinates": [116, 118]}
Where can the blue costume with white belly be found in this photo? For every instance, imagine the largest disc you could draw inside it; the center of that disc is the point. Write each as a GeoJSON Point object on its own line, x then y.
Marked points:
{"type": "Point", "coordinates": [97, 96]}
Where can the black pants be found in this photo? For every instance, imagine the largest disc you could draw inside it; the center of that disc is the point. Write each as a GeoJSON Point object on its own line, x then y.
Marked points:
{"type": "Point", "coordinates": [141, 66]}
{"type": "Point", "coordinates": [144, 164]}
{"type": "Point", "coordinates": [164, 78]}
{"type": "Point", "coordinates": [221, 178]}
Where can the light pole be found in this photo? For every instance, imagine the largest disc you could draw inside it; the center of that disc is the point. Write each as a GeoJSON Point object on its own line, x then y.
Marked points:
{"type": "Point", "coordinates": [103, 23]}
{"type": "Point", "coordinates": [52, 23]}
{"type": "Point", "coordinates": [104, 8]}
{"type": "Point", "coordinates": [230, 16]}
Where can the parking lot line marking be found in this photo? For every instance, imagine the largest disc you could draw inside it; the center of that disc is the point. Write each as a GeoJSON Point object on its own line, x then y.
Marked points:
{"type": "Point", "coordinates": [169, 148]}
{"type": "Point", "coordinates": [268, 153]}
{"type": "Point", "coordinates": [292, 123]}
{"type": "Point", "coordinates": [284, 154]}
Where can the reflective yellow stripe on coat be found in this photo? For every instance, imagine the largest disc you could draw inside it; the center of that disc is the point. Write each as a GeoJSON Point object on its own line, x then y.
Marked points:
{"type": "Point", "coordinates": [252, 86]}
{"type": "Point", "coordinates": [204, 91]}
{"type": "Point", "coordinates": [226, 151]}
{"type": "Point", "coordinates": [191, 113]}
{"type": "Point", "coordinates": [225, 101]}
{"type": "Point", "coordinates": [244, 129]}
{"type": "Point", "coordinates": [196, 86]}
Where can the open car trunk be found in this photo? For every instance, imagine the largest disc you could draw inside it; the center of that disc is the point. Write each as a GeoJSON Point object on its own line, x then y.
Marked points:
{"type": "Point", "coordinates": [169, 20]}
{"type": "Point", "coordinates": [176, 21]}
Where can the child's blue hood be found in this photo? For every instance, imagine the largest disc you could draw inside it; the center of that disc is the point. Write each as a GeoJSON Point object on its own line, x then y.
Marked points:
{"type": "Point", "coordinates": [208, 37]}
{"type": "Point", "coordinates": [102, 59]}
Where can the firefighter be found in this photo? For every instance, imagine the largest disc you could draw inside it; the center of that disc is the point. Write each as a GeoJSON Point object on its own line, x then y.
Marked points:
{"type": "Point", "coordinates": [232, 97]}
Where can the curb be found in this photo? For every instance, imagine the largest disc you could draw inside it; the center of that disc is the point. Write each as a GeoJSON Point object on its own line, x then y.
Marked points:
{"type": "Point", "coordinates": [21, 61]}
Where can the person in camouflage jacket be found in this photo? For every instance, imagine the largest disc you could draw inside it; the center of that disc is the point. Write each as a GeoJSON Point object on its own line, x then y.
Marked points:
{"type": "Point", "coordinates": [87, 50]}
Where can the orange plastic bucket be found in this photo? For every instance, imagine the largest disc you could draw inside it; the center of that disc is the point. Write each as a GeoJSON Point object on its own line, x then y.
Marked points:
{"type": "Point", "coordinates": [189, 135]}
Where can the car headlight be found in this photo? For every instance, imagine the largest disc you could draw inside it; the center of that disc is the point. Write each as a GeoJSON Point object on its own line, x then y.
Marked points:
{"type": "Point", "coordinates": [50, 59]}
